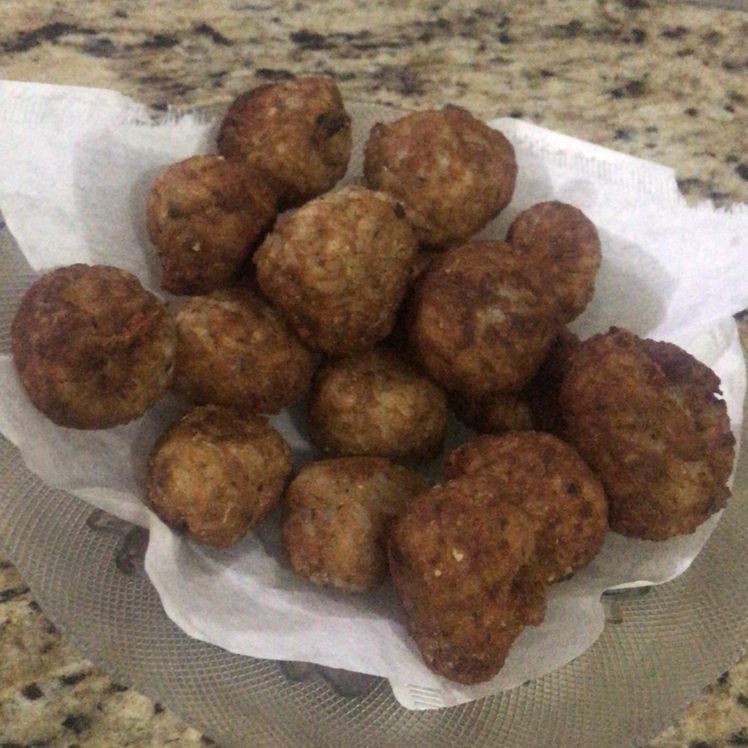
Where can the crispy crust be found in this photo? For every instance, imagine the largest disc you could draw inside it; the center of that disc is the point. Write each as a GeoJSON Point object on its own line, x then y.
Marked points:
{"type": "Point", "coordinates": [462, 562]}
{"type": "Point", "coordinates": [214, 474]}
{"type": "Point", "coordinates": [494, 413]}
{"type": "Point", "coordinates": [205, 215]}
{"type": "Point", "coordinates": [478, 320]}
{"type": "Point", "coordinates": [452, 172]}
{"type": "Point", "coordinates": [234, 349]}
{"type": "Point", "coordinates": [376, 404]}
{"type": "Point", "coordinates": [551, 482]}
{"type": "Point", "coordinates": [297, 133]}
{"type": "Point", "coordinates": [338, 513]}
{"type": "Point", "coordinates": [92, 347]}
{"type": "Point", "coordinates": [647, 417]}
{"type": "Point", "coordinates": [338, 268]}
{"type": "Point", "coordinates": [560, 239]}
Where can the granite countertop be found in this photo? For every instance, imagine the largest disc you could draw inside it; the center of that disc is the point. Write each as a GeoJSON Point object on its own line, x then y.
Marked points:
{"type": "Point", "coordinates": [662, 81]}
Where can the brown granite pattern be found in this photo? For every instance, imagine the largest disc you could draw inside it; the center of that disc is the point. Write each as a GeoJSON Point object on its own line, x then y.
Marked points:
{"type": "Point", "coordinates": [660, 81]}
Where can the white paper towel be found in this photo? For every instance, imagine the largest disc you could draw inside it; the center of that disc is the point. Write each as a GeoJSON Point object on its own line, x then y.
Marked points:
{"type": "Point", "coordinates": [75, 166]}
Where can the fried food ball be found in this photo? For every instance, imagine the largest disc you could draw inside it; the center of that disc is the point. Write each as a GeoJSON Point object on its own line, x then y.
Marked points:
{"type": "Point", "coordinates": [564, 242]}
{"type": "Point", "coordinates": [648, 419]}
{"type": "Point", "coordinates": [543, 391]}
{"type": "Point", "coordinates": [478, 320]}
{"type": "Point", "coordinates": [295, 132]}
{"type": "Point", "coordinates": [452, 172]}
{"type": "Point", "coordinates": [494, 413]}
{"type": "Point", "coordinates": [215, 474]}
{"type": "Point", "coordinates": [92, 347]}
{"type": "Point", "coordinates": [462, 563]}
{"type": "Point", "coordinates": [338, 268]}
{"type": "Point", "coordinates": [376, 404]}
{"type": "Point", "coordinates": [234, 349]}
{"type": "Point", "coordinates": [337, 515]}
{"type": "Point", "coordinates": [550, 481]}
{"type": "Point", "coordinates": [205, 215]}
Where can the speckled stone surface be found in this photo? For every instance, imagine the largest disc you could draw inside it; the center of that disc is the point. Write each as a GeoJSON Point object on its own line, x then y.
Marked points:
{"type": "Point", "coordinates": [661, 81]}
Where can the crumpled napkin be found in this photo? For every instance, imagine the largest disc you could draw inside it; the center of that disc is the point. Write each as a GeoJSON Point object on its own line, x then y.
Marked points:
{"type": "Point", "coordinates": [75, 166]}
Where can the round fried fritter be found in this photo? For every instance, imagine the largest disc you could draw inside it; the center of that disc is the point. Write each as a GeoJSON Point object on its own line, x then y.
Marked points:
{"type": "Point", "coordinates": [376, 404]}
{"type": "Point", "coordinates": [338, 513]}
{"type": "Point", "coordinates": [338, 268]}
{"type": "Point", "coordinates": [205, 215]}
{"type": "Point", "coordinates": [234, 349]}
{"type": "Point", "coordinates": [494, 413]}
{"type": "Point", "coordinates": [647, 418]}
{"type": "Point", "coordinates": [295, 132]}
{"type": "Point", "coordinates": [452, 172]}
{"type": "Point", "coordinates": [462, 563]}
{"type": "Point", "coordinates": [92, 347]}
{"type": "Point", "coordinates": [543, 391]}
{"type": "Point", "coordinates": [215, 474]}
{"type": "Point", "coordinates": [560, 239]}
{"type": "Point", "coordinates": [478, 320]}
{"type": "Point", "coordinates": [550, 481]}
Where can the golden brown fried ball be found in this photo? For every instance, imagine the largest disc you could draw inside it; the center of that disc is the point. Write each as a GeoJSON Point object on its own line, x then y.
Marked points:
{"type": "Point", "coordinates": [479, 321]}
{"type": "Point", "coordinates": [338, 268]}
{"type": "Point", "coordinates": [338, 513]}
{"type": "Point", "coordinates": [234, 349]}
{"type": "Point", "coordinates": [462, 562]}
{"type": "Point", "coordinates": [543, 391]}
{"type": "Point", "coordinates": [560, 239]}
{"type": "Point", "coordinates": [452, 172]}
{"type": "Point", "coordinates": [205, 215]}
{"type": "Point", "coordinates": [92, 347]}
{"type": "Point", "coordinates": [494, 413]}
{"type": "Point", "coordinates": [296, 133]}
{"type": "Point", "coordinates": [376, 404]}
{"type": "Point", "coordinates": [215, 474]}
{"type": "Point", "coordinates": [550, 481]}
{"type": "Point", "coordinates": [647, 418]}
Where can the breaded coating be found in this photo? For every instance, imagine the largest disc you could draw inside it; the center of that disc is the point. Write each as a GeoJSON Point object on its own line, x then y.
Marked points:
{"type": "Point", "coordinates": [550, 481]}
{"type": "Point", "coordinates": [648, 419]}
{"type": "Point", "coordinates": [376, 404]}
{"type": "Point", "coordinates": [337, 516]}
{"type": "Point", "coordinates": [296, 132]}
{"type": "Point", "coordinates": [543, 391]}
{"type": "Point", "coordinates": [215, 474]}
{"type": "Point", "coordinates": [338, 268]}
{"type": "Point", "coordinates": [494, 413]}
{"type": "Point", "coordinates": [92, 347]}
{"type": "Point", "coordinates": [205, 215]}
{"type": "Point", "coordinates": [234, 349]}
{"type": "Point", "coordinates": [479, 321]}
{"type": "Point", "coordinates": [462, 563]}
{"type": "Point", "coordinates": [452, 172]}
{"type": "Point", "coordinates": [561, 240]}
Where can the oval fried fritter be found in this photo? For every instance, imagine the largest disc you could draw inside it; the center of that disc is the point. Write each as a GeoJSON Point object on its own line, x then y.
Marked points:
{"type": "Point", "coordinates": [376, 404]}
{"type": "Point", "coordinates": [215, 474]}
{"type": "Point", "coordinates": [479, 321]}
{"type": "Point", "coordinates": [337, 515]}
{"type": "Point", "coordinates": [296, 132]}
{"type": "Point", "coordinates": [205, 215]}
{"type": "Point", "coordinates": [452, 172]}
{"type": "Point", "coordinates": [92, 347]}
{"type": "Point", "coordinates": [234, 349]}
{"type": "Point", "coordinates": [493, 413]}
{"type": "Point", "coordinates": [561, 240]}
{"type": "Point", "coordinates": [550, 481]}
{"type": "Point", "coordinates": [338, 268]}
{"type": "Point", "coordinates": [647, 418]}
{"type": "Point", "coordinates": [462, 562]}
